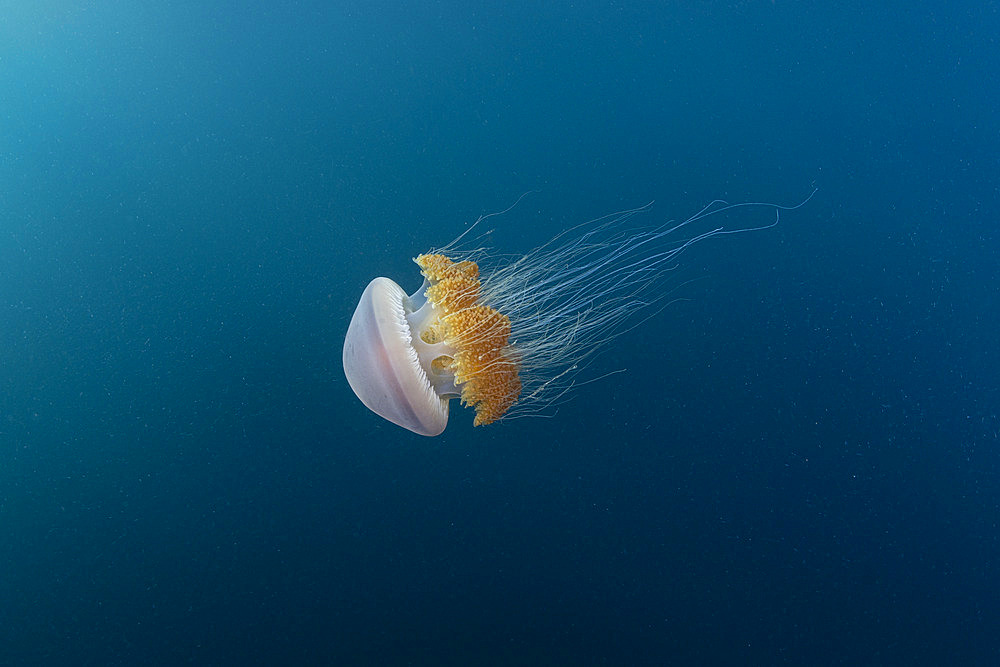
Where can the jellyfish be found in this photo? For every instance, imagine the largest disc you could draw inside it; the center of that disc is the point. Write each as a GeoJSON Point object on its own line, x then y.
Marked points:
{"type": "Point", "coordinates": [513, 337]}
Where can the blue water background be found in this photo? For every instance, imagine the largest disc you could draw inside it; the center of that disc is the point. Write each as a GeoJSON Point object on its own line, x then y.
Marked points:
{"type": "Point", "coordinates": [799, 466]}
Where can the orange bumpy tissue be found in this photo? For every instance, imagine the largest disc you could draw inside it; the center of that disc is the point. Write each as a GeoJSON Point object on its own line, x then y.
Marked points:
{"type": "Point", "coordinates": [485, 367]}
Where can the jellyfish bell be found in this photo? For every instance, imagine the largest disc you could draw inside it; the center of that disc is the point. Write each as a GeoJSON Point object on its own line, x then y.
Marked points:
{"type": "Point", "coordinates": [383, 366]}
{"type": "Point", "coordinates": [512, 341]}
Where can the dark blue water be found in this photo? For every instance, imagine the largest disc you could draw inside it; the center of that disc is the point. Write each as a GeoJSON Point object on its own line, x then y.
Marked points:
{"type": "Point", "coordinates": [799, 466]}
